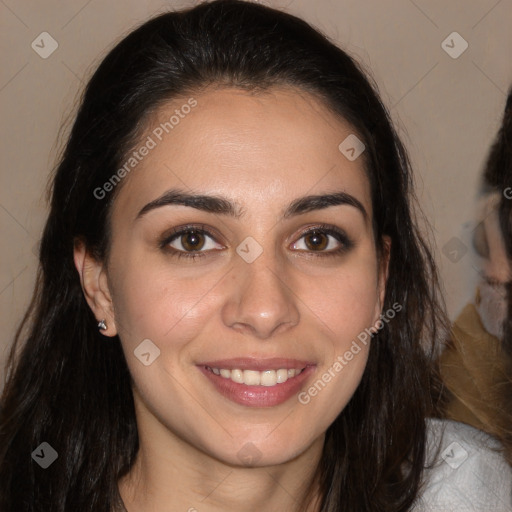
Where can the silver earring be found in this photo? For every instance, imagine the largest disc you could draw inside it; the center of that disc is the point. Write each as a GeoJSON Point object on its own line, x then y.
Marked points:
{"type": "Point", "coordinates": [102, 326]}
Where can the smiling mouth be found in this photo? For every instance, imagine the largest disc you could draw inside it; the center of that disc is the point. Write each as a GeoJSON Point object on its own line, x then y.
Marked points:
{"type": "Point", "coordinates": [255, 377]}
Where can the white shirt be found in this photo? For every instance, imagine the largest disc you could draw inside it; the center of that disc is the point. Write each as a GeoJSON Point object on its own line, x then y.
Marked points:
{"type": "Point", "coordinates": [468, 475]}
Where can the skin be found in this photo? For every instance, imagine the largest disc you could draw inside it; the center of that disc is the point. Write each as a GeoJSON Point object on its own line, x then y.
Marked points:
{"type": "Point", "coordinates": [261, 151]}
{"type": "Point", "coordinates": [491, 298]}
{"type": "Point", "coordinates": [495, 264]}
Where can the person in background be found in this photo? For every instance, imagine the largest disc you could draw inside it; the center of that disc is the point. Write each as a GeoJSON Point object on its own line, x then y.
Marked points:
{"type": "Point", "coordinates": [476, 364]}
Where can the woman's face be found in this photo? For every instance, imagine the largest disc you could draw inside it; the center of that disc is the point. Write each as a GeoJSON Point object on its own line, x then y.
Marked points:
{"type": "Point", "coordinates": [264, 295]}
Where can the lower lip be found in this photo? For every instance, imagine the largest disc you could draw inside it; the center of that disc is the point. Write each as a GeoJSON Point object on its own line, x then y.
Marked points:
{"type": "Point", "coordinates": [258, 396]}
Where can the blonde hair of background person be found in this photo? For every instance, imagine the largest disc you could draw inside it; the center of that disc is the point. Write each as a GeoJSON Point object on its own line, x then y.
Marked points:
{"type": "Point", "coordinates": [235, 309]}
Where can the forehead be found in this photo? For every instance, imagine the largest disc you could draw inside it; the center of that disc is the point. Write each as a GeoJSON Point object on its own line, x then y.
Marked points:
{"type": "Point", "coordinates": [262, 150]}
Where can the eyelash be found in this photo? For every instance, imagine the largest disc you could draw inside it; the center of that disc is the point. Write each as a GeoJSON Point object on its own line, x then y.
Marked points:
{"type": "Point", "coordinates": [325, 229]}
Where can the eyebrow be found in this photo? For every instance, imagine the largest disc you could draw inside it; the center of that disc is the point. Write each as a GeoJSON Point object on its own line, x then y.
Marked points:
{"type": "Point", "coordinates": [222, 205]}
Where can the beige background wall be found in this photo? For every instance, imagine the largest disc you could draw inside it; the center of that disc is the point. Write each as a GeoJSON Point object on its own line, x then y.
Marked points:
{"type": "Point", "coordinates": [447, 109]}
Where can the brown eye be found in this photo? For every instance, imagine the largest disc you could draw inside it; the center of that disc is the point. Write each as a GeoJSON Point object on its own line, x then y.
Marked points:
{"type": "Point", "coordinates": [316, 241]}
{"type": "Point", "coordinates": [192, 241]}
{"type": "Point", "coordinates": [326, 240]}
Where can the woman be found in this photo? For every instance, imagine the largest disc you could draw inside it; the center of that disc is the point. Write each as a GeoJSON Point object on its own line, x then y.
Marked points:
{"type": "Point", "coordinates": [235, 309]}
{"type": "Point", "coordinates": [476, 365]}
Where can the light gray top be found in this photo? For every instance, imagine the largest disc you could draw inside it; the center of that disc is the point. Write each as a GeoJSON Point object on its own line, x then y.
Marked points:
{"type": "Point", "coordinates": [469, 475]}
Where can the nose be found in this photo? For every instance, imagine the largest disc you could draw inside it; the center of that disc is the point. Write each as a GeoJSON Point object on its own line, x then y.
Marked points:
{"type": "Point", "coordinates": [260, 300]}
{"type": "Point", "coordinates": [496, 266]}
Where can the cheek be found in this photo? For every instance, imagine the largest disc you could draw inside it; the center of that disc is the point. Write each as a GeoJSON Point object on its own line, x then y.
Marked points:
{"type": "Point", "coordinates": [346, 302]}
{"type": "Point", "coordinates": [344, 308]}
{"type": "Point", "coordinates": [161, 303]}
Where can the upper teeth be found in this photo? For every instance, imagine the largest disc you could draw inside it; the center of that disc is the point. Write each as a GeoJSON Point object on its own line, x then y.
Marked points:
{"type": "Point", "coordinates": [256, 378]}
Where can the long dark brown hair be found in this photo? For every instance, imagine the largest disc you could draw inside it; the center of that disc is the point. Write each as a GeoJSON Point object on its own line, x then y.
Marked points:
{"type": "Point", "coordinates": [68, 387]}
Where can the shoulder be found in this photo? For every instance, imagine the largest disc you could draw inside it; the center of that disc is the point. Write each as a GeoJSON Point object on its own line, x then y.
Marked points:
{"type": "Point", "coordinates": [465, 471]}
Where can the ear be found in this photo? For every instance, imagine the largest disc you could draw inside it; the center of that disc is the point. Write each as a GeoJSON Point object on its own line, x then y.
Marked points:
{"type": "Point", "coordinates": [93, 278]}
{"type": "Point", "coordinates": [383, 272]}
